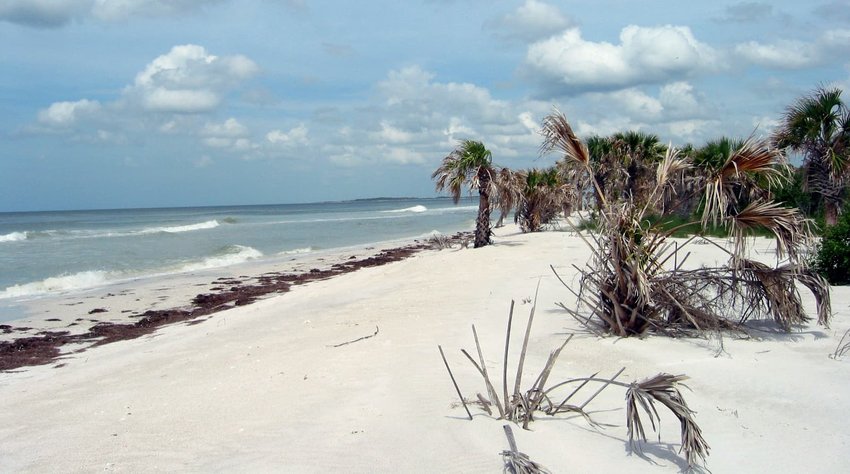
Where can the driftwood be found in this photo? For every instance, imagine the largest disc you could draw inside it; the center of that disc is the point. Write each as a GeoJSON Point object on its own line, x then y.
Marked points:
{"type": "Point", "coordinates": [357, 340]}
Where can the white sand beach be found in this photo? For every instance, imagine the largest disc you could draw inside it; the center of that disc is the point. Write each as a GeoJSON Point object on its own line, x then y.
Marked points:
{"type": "Point", "coordinates": [269, 387]}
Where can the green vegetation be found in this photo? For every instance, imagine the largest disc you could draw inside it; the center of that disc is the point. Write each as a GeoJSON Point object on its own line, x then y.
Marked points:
{"type": "Point", "coordinates": [833, 257]}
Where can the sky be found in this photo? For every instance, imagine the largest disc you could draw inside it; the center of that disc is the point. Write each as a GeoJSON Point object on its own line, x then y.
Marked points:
{"type": "Point", "coordinates": [163, 103]}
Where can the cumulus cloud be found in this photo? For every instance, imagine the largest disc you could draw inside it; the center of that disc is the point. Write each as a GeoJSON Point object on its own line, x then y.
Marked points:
{"type": "Point", "coordinates": [796, 54]}
{"type": "Point", "coordinates": [568, 62]}
{"type": "Point", "coordinates": [784, 54]}
{"type": "Point", "coordinates": [533, 20]}
{"type": "Point", "coordinates": [66, 114]}
{"type": "Point", "coordinates": [228, 134]}
{"type": "Point", "coordinates": [188, 80]}
{"type": "Point", "coordinates": [230, 128]}
{"type": "Point", "coordinates": [57, 13]}
{"type": "Point", "coordinates": [295, 136]}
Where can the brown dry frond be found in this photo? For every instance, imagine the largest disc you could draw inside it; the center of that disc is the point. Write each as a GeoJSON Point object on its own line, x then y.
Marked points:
{"type": "Point", "coordinates": [558, 134]}
{"type": "Point", "coordinates": [517, 462]}
{"type": "Point", "coordinates": [791, 229]}
{"type": "Point", "coordinates": [663, 389]}
{"type": "Point", "coordinates": [754, 157]}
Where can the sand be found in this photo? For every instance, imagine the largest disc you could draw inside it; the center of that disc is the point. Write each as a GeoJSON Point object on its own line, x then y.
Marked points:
{"type": "Point", "coordinates": [263, 388]}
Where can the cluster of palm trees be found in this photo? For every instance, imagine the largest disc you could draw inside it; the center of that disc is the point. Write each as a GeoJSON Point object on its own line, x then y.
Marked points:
{"type": "Point", "coordinates": [628, 287]}
{"type": "Point", "coordinates": [623, 167]}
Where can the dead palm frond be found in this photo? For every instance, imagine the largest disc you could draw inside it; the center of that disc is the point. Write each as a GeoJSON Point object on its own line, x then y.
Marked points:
{"type": "Point", "coordinates": [558, 134]}
{"type": "Point", "coordinates": [521, 406]}
{"type": "Point", "coordinates": [517, 462]}
{"type": "Point", "coordinates": [753, 157]}
{"type": "Point", "coordinates": [789, 227]}
{"type": "Point", "coordinates": [663, 388]}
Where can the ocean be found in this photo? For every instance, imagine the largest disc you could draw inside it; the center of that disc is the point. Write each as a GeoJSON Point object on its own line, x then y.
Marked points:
{"type": "Point", "coordinates": [46, 253]}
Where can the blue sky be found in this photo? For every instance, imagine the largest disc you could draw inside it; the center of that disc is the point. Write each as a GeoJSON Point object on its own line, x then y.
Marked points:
{"type": "Point", "coordinates": [149, 103]}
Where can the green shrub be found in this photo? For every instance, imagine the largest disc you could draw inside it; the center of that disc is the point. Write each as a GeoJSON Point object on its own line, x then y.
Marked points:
{"type": "Point", "coordinates": [833, 256]}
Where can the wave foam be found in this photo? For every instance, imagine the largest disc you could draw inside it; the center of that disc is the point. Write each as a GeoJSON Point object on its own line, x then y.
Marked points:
{"type": "Point", "coordinates": [229, 255]}
{"type": "Point", "coordinates": [416, 209]}
{"type": "Point", "coordinates": [76, 281]}
{"type": "Point", "coordinates": [182, 228]}
{"type": "Point", "coordinates": [14, 237]}
{"type": "Point", "coordinates": [296, 251]}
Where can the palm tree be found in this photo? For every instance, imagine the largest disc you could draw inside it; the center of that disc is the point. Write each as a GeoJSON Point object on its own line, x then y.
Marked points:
{"type": "Point", "coordinates": [638, 153]}
{"type": "Point", "coordinates": [544, 195]}
{"type": "Point", "coordinates": [818, 126]}
{"type": "Point", "coordinates": [469, 163]}
{"type": "Point", "coordinates": [508, 185]}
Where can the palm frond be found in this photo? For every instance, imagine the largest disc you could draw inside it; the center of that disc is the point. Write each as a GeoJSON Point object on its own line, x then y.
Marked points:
{"type": "Point", "coordinates": [558, 134]}
{"type": "Point", "coordinates": [663, 388]}
{"type": "Point", "coordinates": [788, 225]}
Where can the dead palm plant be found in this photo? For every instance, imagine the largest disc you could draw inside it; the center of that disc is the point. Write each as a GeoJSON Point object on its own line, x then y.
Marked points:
{"type": "Point", "coordinates": [521, 406]}
{"type": "Point", "coordinates": [543, 196]}
{"type": "Point", "coordinates": [508, 185]}
{"type": "Point", "coordinates": [636, 281]}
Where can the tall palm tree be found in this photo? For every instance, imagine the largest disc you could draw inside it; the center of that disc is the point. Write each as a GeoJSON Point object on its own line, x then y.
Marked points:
{"type": "Point", "coordinates": [818, 126]}
{"type": "Point", "coordinates": [470, 163]}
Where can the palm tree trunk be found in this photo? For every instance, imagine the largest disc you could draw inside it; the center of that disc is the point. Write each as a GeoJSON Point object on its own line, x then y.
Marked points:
{"type": "Point", "coordinates": [830, 212]}
{"type": "Point", "coordinates": [482, 224]}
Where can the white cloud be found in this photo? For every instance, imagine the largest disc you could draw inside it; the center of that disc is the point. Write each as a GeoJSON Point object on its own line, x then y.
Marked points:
{"type": "Point", "coordinates": [392, 134]}
{"type": "Point", "coordinates": [229, 128]}
{"type": "Point", "coordinates": [678, 98]}
{"type": "Point", "coordinates": [637, 103]}
{"type": "Point", "coordinates": [295, 136]}
{"type": "Point", "coordinates": [530, 21]}
{"type": "Point", "coordinates": [188, 80]}
{"type": "Point", "coordinates": [643, 56]}
{"type": "Point", "coordinates": [65, 114]}
{"type": "Point", "coordinates": [784, 54]}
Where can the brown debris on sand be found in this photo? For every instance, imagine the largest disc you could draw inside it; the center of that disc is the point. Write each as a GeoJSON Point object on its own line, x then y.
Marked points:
{"type": "Point", "coordinates": [44, 348]}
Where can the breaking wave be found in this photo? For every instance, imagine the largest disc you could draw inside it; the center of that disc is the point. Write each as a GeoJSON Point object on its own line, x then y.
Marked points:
{"type": "Point", "coordinates": [226, 256]}
{"type": "Point", "coordinates": [76, 281]}
{"type": "Point", "coordinates": [14, 237]}
{"type": "Point", "coordinates": [180, 228]}
{"type": "Point", "coordinates": [416, 209]}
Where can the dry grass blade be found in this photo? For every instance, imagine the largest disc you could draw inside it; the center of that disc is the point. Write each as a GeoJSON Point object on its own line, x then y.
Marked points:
{"type": "Point", "coordinates": [663, 389]}
{"type": "Point", "coordinates": [454, 382]}
{"type": "Point", "coordinates": [843, 346]}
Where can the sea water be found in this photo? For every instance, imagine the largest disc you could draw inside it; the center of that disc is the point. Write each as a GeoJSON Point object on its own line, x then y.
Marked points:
{"type": "Point", "coordinates": [44, 253]}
